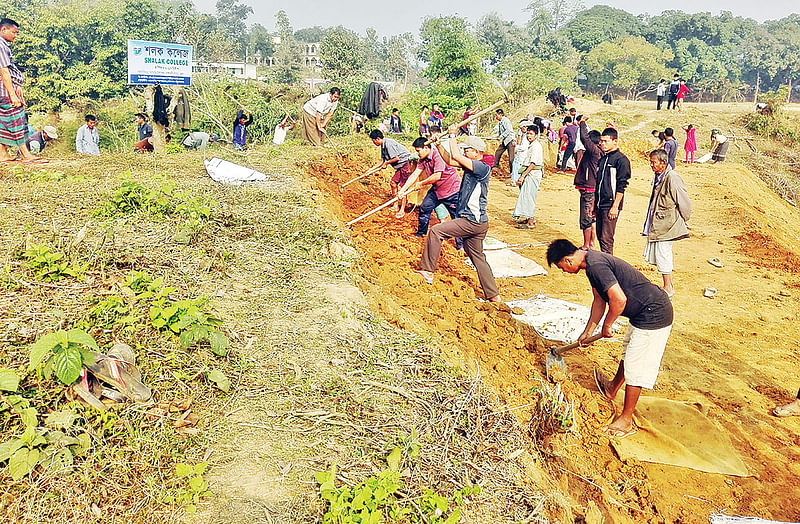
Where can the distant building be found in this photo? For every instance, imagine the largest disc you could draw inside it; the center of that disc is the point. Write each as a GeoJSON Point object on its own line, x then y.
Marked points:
{"type": "Point", "coordinates": [240, 70]}
{"type": "Point", "coordinates": [309, 56]}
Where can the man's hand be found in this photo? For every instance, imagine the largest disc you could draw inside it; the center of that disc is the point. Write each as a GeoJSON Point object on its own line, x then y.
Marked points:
{"type": "Point", "coordinates": [613, 213]}
{"type": "Point", "coordinates": [452, 129]}
{"type": "Point", "coordinates": [17, 98]}
{"type": "Point", "coordinates": [520, 181]}
{"type": "Point", "coordinates": [435, 137]}
{"type": "Point", "coordinates": [608, 330]}
{"type": "Point", "coordinates": [584, 118]}
{"type": "Point", "coordinates": [582, 338]}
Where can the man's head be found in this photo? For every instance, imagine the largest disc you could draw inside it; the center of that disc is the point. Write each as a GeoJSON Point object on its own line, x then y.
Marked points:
{"type": "Point", "coordinates": [377, 137]}
{"type": "Point", "coordinates": [594, 136]}
{"type": "Point", "coordinates": [661, 81]}
{"type": "Point", "coordinates": [435, 107]}
{"type": "Point", "coordinates": [213, 137]}
{"type": "Point", "coordinates": [608, 140]}
{"type": "Point", "coordinates": [676, 76]}
{"type": "Point", "coordinates": [683, 81]}
{"type": "Point", "coordinates": [499, 114]}
{"type": "Point", "coordinates": [435, 129]}
{"type": "Point", "coordinates": [49, 133]}
{"type": "Point", "coordinates": [422, 150]}
{"type": "Point", "coordinates": [573, 112]}
{"type": "Point", "coordinates": [335, 94]}
{"type": "Point", "coordinates": [8, 29]}
{"type": "Point", "coordinates": [669, 132]}
{"type": "Point", "coordinates": [532, 133]}
{"type": "Point", "coordinates": [140, 118]}
{"type": "Point", "coordinates": [91, 121]}
{"type": "Point", "coordinates": [424, 108]}
{"type": "Point", "coordinates": [655, 133]}
{"type": "Point", "coordinates": [565, 255]}
{"type": "Point", "coordinates": [395, 112]}
{"type": "Point", "coordinates": [567, 120]}
{"type": "Point", "coordinates": [473, 147]}
{"type": "Point", "coordinates": [658, 161]}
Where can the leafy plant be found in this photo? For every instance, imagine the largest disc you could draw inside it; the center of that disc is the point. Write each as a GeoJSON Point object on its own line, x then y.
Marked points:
{"type": "Point", "coordinates": [132, 197]}
{"type": "Point", "coordinates": [552, 412]}
{"type": "Point", "coordinates": [111, 310]}
{"type": "Point", "coordinates": [9, 380]}
{"type": "Point", "coordinates": [195, 486]}
{"type": "Point", "coordinates": [187, 319]}
{"type": "Point", "coordinates": [49, 265]}
{"type": "Point", "coordinates": [63, 353]}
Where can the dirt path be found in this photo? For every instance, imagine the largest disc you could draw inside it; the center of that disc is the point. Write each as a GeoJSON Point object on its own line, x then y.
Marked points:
{"type": "Point", "coordinates": [734, 353]}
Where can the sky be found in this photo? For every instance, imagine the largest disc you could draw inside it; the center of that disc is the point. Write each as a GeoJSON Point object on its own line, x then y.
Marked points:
{"type": "Point", "coordinates": [390, 18]}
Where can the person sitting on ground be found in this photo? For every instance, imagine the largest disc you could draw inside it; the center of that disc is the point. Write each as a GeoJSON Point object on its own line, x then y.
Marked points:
{"type": "Point", "coordinates": [441, 180]}
{"type": "Point", "coordinates": [792, 409]}
{"type": "Point", "coordinates": [317, 114]}
{"type": "Point", "coordinates": [529, 180]}
{"type": "Point", "coordinates": [240, 129]}
{"type": "Point", "coordinates": [471, 221]}
{"type": "Point", "coordinates": [38, 140]}
{"type": "Point", "coordinates": [198, 140]}
{"type": "Point", "coordinates": [395, 155]}
{"type": "Point", "coordinates": [719, 146]}
{"type": "Point", "coordinates": [625, 292]}
{"type": "Point", "coordinates": [667, 214]}
{"type": "Point", "coordinates": [145, 133]}
{"type": "Point", "coordinates": [87, 140]}
{"type": "Point", "coordinates": [670, 146]}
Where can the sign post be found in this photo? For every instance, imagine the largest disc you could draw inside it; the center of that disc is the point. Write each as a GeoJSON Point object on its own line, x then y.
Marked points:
{"type": "Point", "coordinates": [152, 63]}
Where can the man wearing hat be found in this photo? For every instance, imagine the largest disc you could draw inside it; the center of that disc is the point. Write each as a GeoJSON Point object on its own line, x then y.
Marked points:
{"type": "Point", "coordinates": [38, 141]}
{"type": "Point", "coordinates": [472, 221]}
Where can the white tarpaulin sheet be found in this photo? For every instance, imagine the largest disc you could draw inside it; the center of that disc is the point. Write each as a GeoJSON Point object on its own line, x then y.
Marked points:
{"type": "Point", "coordinates": [554, 319]}
{"type": "Point", "coordinates": [229, 173]}
{"type": "Point", "coordinates": [490, 243]}
{"type": "Point", "coordinates": [724, 519]}
{"type": "Point", "coordinates": [506, 263]}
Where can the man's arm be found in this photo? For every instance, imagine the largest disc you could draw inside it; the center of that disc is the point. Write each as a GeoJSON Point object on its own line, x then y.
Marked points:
{"type": "Point", "coordinates": [598, 308]}
{"type": "Point", "coordinates": [681, 197]}
{"type": "Point", "coordinates": [590, 146]}
{"type": "Point", "coordinates": [412, 179]}
{"type": "Point", "coordinates": [5, 76]}
{"type": "Point", "coordinates": [623, 176]}
{"type": "Point", "coordinates": [79, 141]}
{"type": "Point", "coordinates": [455, 152]}
{"type": "Point", "coordinates": [328, 117]}
{"type": "Point", "coordinates": [616, 305]}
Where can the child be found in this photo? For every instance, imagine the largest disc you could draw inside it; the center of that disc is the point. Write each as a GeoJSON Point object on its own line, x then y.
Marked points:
{"type": "Point", "coordinates": [691, 145]}
{"type": "Point", "coordinates": [240, 129]}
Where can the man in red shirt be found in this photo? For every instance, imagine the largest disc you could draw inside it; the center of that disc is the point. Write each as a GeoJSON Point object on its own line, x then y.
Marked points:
{"type": "Point", "coordinates": [440, 177]}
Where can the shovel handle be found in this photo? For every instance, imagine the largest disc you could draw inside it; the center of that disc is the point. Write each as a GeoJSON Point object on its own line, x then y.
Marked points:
{"type": "Point", "coordinates": [593, 338]}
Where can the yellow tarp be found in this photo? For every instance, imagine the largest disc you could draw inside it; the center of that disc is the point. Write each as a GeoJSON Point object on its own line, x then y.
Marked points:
{"type": "Point", "coordinates": [679, 434]}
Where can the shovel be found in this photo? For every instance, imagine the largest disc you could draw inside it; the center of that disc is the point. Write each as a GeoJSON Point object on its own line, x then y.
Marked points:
{"type": "Point", "coordinates": [554, 359]}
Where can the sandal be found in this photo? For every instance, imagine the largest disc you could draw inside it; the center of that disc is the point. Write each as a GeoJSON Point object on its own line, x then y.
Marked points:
{"type": "Point", "coordinates": [619, 433]}
{"type": "Point", "coordinates": [428, 279]}
{"type": "Point", "coordinates": [118, 369]}
{"type": "Point", "coordinates": [714, 261]}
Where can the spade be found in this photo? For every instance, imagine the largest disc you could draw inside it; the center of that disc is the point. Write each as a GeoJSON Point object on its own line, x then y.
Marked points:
{"type": "Point", "coordinates": [554, 356]}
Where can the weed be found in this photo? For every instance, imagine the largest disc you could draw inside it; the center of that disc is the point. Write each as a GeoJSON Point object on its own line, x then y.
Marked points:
{"type": "Point", "coordinates": [132, 197]}
{"type": "Point", "coordinates": [63, 353]}
{"type": "Point", "coordinates": [49, 265]}
{"type": "Point", "coordinates": [187, 319]}
{"type": "Point", "coordinates": [194, 487]}
{"type": "Point", "coordinates": [552, 412]}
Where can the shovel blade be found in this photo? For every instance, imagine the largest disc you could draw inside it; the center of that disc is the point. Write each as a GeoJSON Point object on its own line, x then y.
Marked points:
{"type": "Point", "coordinates": [554, 361]}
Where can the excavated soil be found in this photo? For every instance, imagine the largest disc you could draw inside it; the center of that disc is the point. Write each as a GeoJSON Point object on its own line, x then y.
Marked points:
{"type": "Point", "coordinates": [734, 354]}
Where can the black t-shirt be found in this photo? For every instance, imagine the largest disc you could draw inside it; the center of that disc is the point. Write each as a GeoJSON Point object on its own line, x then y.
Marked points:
{"type": "Point", "coordinates": [648, 306]}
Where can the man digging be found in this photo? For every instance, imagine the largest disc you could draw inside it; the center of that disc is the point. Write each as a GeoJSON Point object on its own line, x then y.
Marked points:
{"type": "Point", "coordinates": [395, 155]}
{"type": "Point", "coordinates": [471, 222]}
{"type": "Point", "coordinates": [630, 294]}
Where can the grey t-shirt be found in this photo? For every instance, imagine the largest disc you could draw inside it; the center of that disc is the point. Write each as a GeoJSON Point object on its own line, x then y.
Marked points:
{"type": "Point", "coordinates": [391, 149]}
{"type": "Point", "coordinates": [196, 140]}
{"type": "Point", "coordinates": [647, 307]}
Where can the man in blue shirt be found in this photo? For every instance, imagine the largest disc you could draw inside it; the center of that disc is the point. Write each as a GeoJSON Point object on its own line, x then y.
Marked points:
{"type": "Point", "coordinates": [472, 221]}
{"type": "Point", "coordinates": [145, 142]}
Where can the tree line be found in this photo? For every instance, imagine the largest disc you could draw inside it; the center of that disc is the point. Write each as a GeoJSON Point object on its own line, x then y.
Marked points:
{"type": "Point", "coordinates": [72, 50]}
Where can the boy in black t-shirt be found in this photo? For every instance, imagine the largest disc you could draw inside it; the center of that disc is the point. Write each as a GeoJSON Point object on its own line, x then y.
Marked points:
{"type": "Point", "coordinates": [630, 294]}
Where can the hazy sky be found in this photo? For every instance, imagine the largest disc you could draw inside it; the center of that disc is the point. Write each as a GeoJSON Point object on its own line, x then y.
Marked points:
{"type": "Point", "coordinates": [389, 17]}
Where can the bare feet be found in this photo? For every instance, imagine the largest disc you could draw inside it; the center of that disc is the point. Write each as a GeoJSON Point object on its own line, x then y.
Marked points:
{"type": "Point", "coordinates": [603, 384]}
{"type": "Point", "coordinates": [789, 410]}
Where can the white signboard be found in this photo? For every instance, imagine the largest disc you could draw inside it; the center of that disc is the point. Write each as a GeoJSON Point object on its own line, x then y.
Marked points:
{"type": "Point", "coordinates": [152, 63]}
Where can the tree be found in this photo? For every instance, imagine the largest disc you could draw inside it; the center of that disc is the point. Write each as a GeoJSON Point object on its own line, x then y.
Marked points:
{"type": "Point", "coordinates": [260, 41]}
{"type": "Point", "coordinates": [629, 62]}
{"type": "Point", "coordinates": [398, 53]}
{"type": "Point", "coordinates": [375, 53]}
{"type": "Point", "coordinates": [288, 53]}
{"type": "Point", "coordinates": [341, 53]}
{"type": "Point", "coordinates": [600, 24]}
{"type": "Point", "coordinates": [556, 12]}
{"type": "Point", "coordinates": [558, 48]}
{"type": "Point", "coordinates": [452, 53]}
{"type": "Point", "coordinates": [531, 77]}
{"type": "Point", "coordinates": [310, 35]}
{"type": "Point", "coordinates": [501, 37]}
{"type": "Point", "coordinates": [232, 22]}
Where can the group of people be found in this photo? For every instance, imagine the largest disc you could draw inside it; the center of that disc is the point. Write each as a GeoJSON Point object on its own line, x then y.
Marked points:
{"type": "Point", "coordinates": [675, 92]}
{"type": "Point", "coordinates": [666, 140]}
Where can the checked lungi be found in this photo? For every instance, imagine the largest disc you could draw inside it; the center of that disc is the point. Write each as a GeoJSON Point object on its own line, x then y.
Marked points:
{"type": "Point", "coordinates": [13, 125]}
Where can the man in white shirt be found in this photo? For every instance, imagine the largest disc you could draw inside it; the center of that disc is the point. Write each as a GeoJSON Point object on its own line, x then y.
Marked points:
{"type": "Point", "coordinates": [317, 113]}
{"type": "Point", "coordinates": [661, 91]}
{"type": "Point", "coordinates": [87, 141]}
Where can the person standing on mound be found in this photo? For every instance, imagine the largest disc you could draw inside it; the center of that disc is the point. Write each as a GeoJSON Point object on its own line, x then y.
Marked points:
{"type": "Point", "coordinates": [627, 293]}
{"type": "Point", "coordinates": [472, 221]}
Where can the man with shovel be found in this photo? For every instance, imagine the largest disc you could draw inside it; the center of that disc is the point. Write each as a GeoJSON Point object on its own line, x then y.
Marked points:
{"type": "Point", "coordinates": [317, 114]}
{"type": "Point", "coordinates": [628, 293]}
{"type": "Point", "coordinates": [395, 155]}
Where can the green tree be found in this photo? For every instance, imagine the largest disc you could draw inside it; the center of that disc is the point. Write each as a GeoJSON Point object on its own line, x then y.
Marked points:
{"type": "Point", "coordinates": [530, 77]}
{"type": "Point", "coordinates": [501, 37]}
{"type": "Point", "coordinates": [260, 41]}
{"type": "Point", "coordinates": [599, 24]}
{"type": "Point", "coordinates": [629, 63]}
{"type": "Point", "coordinates": [453, 54]}
{"type": "Point", "coordinates": [232, 22]}
{"type": "Point", "coordinates": [553, 14]}
{"type": "Point", "coordinates": [310, 35]}
{"type": "Point", "coordinates": [342, 54]}
{"type": "Point", "coordinates": [288, 52]}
